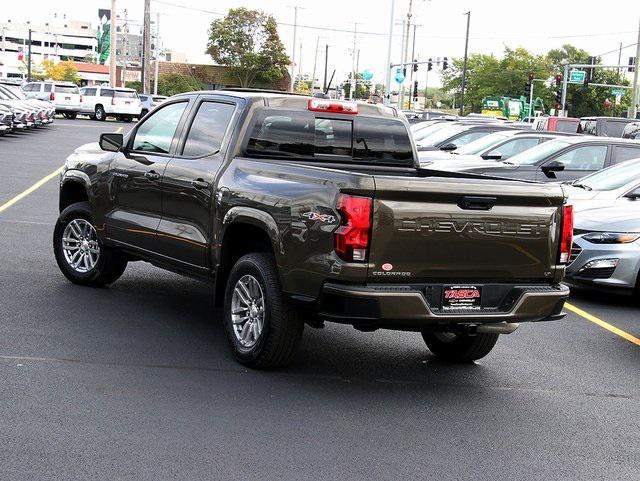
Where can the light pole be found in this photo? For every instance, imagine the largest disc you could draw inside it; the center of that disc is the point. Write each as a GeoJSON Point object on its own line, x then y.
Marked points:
{"type": "Point", "coordinates": [112, 45]}
{"type": "Point", "coordinates": [464, 65]}
{"type": "Point", "coordinates": [387, 82]}
{"type": "Point", "coordinates": [633, 111]}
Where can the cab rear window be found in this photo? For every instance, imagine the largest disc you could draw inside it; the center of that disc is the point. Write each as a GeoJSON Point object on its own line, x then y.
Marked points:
{"type": "Point", "coordinates": [305, 136]}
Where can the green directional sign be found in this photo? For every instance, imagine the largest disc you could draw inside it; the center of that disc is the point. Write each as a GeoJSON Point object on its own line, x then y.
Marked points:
{"type": "Point", "coordinates": [618, 92]}
{"type": "Point", "coordinates": [577, 76]}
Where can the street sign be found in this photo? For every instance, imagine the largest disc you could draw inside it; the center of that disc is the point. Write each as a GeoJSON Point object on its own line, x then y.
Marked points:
{"type": "Point", "coordinates": [399, 76]}
{"type": "Point", "coordinates": [577, 76]}
{"type": "Point", "coordinates": [618, 92]}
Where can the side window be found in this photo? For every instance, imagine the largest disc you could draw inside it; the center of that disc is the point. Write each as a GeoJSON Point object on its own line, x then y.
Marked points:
{"type": "Point", "coordinates": [622, 153]}
{"type": "Point", "coordinates": [513, 147]}
{"type": "Point", "coordinates": [208, 128]}
{"type": "Point", "coordinates": [464, 139]}
{"type": "Point", "coordinates": [47, 87]}
{"type": "Point", "coordinates": [106, 93]}
{"type": "Point", "coordinates": [90, 92]}
{"type": "Point", "coordinates": [156, 133]}
{"type": "Point", "coordinates": [588, 157]}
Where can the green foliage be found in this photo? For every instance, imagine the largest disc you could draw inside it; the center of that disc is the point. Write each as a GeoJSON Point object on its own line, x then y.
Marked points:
{"type": "Point", "coordinates": [136, 85]}
{"type": "Point", "coordinates": [363, 87]}
{"type": "Point", "coordinates": [173, 84]}
{"type": "Point", "coordinates": [490, 76]}
{"type": "Point", "coordinates": [247, 42]}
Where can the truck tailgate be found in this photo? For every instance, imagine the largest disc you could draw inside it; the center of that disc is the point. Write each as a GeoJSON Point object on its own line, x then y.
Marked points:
{"type": "Point", "coordinates": [464, 230]}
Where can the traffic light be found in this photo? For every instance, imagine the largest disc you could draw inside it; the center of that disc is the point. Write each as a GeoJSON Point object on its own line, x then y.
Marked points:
{"type": "Point", "coordinates": [415, 65]}
{"type": "Point", "coordinates": [429, 65]}
{"type": "Point", "coordinates": [589, 73]}
{"type": "Point", "coordinates": [445, 63]}
{"type": "Point", "coordinates": [558, 90]}
{"type": "Point", "coordinates": [558, 80]}
{"type": "Point", "coordinates": [415, 90]}
{"type": "Point", "coordinates": [404, 72]}
{"type": "Point", "coordinates": [529, 84]}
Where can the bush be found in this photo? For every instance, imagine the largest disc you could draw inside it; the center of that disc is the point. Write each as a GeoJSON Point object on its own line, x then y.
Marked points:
{"type": "Point", "coordinates": [172, 84]}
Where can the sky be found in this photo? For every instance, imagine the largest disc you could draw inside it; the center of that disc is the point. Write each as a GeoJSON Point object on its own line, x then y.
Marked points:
{"type": "Point", "coordinates": [598, 27]}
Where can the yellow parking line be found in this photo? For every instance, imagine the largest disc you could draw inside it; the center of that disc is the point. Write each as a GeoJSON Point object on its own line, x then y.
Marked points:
{"type": "Point", "coordinates": [603, 324]}
{"type": "Point", "coordinates": [34, 187]}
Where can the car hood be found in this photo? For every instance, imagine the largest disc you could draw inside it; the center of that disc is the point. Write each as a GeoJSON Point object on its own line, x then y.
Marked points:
{"type": "Point", "coordinates": [578, 194]}
{"type": "Point", "coordinates": [618, 218]}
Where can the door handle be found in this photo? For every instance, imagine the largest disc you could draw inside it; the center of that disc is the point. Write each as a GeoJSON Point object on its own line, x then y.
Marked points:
{"type": "Point", "coordinates": [470, 202]}
{"type": "Point", "coordinates": [200, 184]}
{"type": "Point", "coordinates": [152, 175]}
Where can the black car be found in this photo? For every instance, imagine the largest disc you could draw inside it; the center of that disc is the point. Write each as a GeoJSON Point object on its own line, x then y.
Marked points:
{"type": "Point", "coordinates": [603, 126]}
{"type": "Point", "coordinates": [457, 134]}
{"type": "Point", "coordinates": [566, 158]}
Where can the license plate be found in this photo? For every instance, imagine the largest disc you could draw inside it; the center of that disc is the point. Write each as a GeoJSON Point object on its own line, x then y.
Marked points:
{"type": "Point", "coordinates": [127, 103]}
{"type": "Point", "coordinates": [462, 297]}
{"type": "Point", "coordinates": [67, 98]}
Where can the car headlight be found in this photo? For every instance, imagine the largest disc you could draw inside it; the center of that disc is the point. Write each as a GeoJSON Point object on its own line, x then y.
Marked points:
{"type": "Point", "coordinates": [610, 238]}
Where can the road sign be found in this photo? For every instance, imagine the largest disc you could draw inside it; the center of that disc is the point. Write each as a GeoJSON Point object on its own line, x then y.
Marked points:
{"type": "Point", "coordinates": [577, 76]}
{"type": "Point", "coordinates": [618, 92]}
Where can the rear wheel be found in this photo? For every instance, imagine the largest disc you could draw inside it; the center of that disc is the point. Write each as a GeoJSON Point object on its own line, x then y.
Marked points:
{"type": "Point", "coordinates": [263, 330]}
{"type": "Point", "coordinates": [100, 113]}
{"type": "Point", "coordinates": [80, 254]}
{"type": "Point", "coordinates": [71, 115]}
{"type": "Point", "coordinates": [459, 347]}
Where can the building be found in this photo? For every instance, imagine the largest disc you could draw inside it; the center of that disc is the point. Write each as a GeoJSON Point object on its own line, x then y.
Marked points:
{"type": "Point", "coordinates": [175, 56]}
{"type": "Point", "coordinates": [92, 74]}
{"type": "Point", "coordinates": [59, 39]}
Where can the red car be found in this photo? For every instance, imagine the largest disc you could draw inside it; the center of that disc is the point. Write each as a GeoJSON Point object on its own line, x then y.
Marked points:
{"type": "Point", "coordinates": [558, 124]}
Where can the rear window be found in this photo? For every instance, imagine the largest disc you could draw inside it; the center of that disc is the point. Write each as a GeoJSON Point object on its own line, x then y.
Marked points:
{"type": "Point", "coordinates": [126, 94]}
{"type": "Point", "coordinates": [568, 126]}
{"type": "Point", "coordinates": [614, 128]}
{"type": "Point", "coordinates": [106, 93]}
{"type": "Point", "coordinates": [302, 135]}
{"type": "Point", "coordinates": [66, 89]}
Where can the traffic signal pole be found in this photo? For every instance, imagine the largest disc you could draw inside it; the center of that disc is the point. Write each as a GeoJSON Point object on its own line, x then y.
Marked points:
{"type": "Point", "coordinates": [387, 82]}
{"type": "Point", "coordinates": [565, 83]}
{"type": "Point", "coordinates": [633, 110]}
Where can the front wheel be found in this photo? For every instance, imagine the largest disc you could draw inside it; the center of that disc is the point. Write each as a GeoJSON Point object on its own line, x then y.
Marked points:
{"type": "Point", "coordinates": [263, 330]}
{"type": "Point", "coordinates": [100, 114]}
{"type": "Point", "coordinates": [80, 254]}
{"type": "Point", "coordinates": [459, 347]}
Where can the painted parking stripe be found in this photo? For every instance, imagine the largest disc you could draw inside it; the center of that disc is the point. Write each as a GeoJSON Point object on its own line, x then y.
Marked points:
{"type": "Point", "coordinates": [605, 325]}
{"type": "Point", "coordinates": [31, 189]}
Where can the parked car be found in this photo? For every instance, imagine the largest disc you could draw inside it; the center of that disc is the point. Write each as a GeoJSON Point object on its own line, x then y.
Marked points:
{"type": "Point", "coordinates": [557, 124]}
{"type": "Point", "coordinates": [149, 102]}
{"type": "Point", "coordinates": [45, 110]}
{"type": "Point", "coordinates": [603, 126]}
{"type": "Point", "coordinates": [500, 145]}
{"type": "Point", "coordinates": [613, 185]}
{"type": "Point", "coordinates": [6, 120]}
{"type": "Point", "coordinates": [606, 248]}
{"type": "Point", "coordinates": [64, 95]}
{"type": "Point", "coordinates": [417, 116]}
{"type": "Point", "coordinates": [631, 131]}
{"type": "Point", "coordinates": [102, 101]}
{"type": "Point", "coordinates": [311, 210]}
{"type": "Point", "coordinates": [563, 159]}
{"type": "Point", "coordinates": [24, 115]}
{"type": "Point", "coordinates": [457, 134]}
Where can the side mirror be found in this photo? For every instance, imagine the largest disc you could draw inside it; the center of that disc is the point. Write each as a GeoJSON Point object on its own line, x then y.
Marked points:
{"type": "Point", "coordinates": [450, 147]}
{"type": "Point", "coordinates": [634, 194]}
{"type": "Point", "coordinates": [551, 168]}
{"type": "Point", "coordinates": [492, 156]}
{"type": "Point", "coordinates": [111, 142]}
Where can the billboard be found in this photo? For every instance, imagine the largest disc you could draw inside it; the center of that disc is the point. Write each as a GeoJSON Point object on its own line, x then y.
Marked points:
{"type": "Point", "coordinates": [103, 35]}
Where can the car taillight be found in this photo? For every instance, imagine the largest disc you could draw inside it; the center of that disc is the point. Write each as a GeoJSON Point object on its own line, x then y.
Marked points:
{"type": "Point", "coordinates": [352, 237]}
{"type": "Point", "coordinates": [334, 106]}
{"type": "Point", "coordinates": [81, 99]}
{"type": "Point", "coordinates": [113, 100]}
{"type": "Point", "coordinates": [567, 234]}
{"type": "Point", "coordinates": [52, 96]}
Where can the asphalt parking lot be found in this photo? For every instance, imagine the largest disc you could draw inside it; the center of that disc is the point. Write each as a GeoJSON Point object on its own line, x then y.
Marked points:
{"type": "Point", "coordinates": [136, 381]}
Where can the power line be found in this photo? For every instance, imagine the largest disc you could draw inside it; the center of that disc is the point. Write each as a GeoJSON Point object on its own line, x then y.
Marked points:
{"type": "Point", "coordinates": [617, 49]}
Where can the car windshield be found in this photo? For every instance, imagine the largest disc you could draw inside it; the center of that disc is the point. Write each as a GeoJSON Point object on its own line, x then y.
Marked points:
{"type": "Point", "coordinates": [14, 90]}
{"type": "Point", "coordinates": [613, 177]}
{"type": "Point", "coordinates": [436, 136]}
{"type": "Point", "coordinates": [126, 94]}
{"type": "Point", "coordinates": [538, 153]}
{"type": "Point", "coordinates": [483, 143]}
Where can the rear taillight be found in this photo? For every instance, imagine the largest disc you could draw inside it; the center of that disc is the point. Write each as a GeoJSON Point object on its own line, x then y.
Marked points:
{"type": "Point", "coordinates": [352, 237]}
{"type": "Point", "coordinates": [81, 99]}
{"type": "Point", "coordinates": [333, 106]}
{"type": "Point", "coordinates": [52, 96]}
{"type": "Point", "coordinates": [567, 234]}
{"type": "Point", "coordinates": [113, 100]}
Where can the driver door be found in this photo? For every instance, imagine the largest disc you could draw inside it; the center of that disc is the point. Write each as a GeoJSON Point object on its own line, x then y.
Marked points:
{"type": "Point", "coordinates": [135, 177]}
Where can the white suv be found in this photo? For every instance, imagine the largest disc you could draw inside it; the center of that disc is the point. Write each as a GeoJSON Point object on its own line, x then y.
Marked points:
{"type": "Point", "coordinates": [64, 95]}
{"type": "Point", "coordinates": [101, 102]}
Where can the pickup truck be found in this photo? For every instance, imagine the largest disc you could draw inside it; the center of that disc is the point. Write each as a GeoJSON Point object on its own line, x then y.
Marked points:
{"type": "Point", "coordinates": [303, 210]}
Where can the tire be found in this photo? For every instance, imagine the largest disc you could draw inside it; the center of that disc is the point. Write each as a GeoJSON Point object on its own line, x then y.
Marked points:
{"type": "Point", "coordinates": [459, 347]}
{"type": "Point", "coordinates": [143, 113]}
{"type": "Point", "coordinates": [282, 326]}
{"type": "Point", "coordinates": [109, 264]}
{"type": "Point", "coordinates": [71, 115]}
{"type": "Point", "coordinates": [127, 119]}
{"type": "Point", "coordinates": [100, 114]}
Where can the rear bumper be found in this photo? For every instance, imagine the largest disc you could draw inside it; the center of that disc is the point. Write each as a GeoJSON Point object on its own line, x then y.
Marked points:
{"type": "Point", "coordinates": [67, 108]}
{"type": "Point", "coordinates": [407, 307]}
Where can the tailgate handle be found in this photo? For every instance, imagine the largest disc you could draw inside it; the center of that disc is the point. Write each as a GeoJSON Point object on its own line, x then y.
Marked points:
{"type": "Point", "coordinates": [470, 202]}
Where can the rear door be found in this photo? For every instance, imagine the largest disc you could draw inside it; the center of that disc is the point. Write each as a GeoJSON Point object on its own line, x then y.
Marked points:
{"type": "Point", "coordinates": [463, 231]}
{"type": "Point", "coordinates": [186, 231]}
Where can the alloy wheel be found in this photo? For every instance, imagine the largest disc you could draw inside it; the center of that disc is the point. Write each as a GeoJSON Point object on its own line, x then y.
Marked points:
{"type": "Point", "coordinates": [80, 245]}
{"type": "Point", "coordinates": [247, 311]}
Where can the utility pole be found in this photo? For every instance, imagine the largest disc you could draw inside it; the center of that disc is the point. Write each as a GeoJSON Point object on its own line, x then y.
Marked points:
{"type": "Point", "coordinates": [353, 83]}
{"type": "Point", "coordinates": [112, 44]}
{"type": "Point", "coordinates": [387, 82]}
{"type": "Point", "coordinates": [413, 57]}
{"type": "Point", "coordinates": [315, 63]}
{"type": "Point", "coordinates": [29, 59]}
{"type": "Point", "coordinates": [125, 46]}
{"type": "Point", "coordinates": [406, 51]}
{"type": "Point", "coordinates": [157, 44]}
{"type": "Point", "coordinates": [633, 110]}
{"type": "Point", "coordinates": [293, 49]}
{"type": "Point", "coordinates": [464, 66]}
{"type": "Point", "coordinates": [426, 86]}
{"type": "Point", "coordinates": [326, 65]}
{"type": "Point", "coordinates": [619, 60]}
{"type": "Point", "coordinates": [146, 49]}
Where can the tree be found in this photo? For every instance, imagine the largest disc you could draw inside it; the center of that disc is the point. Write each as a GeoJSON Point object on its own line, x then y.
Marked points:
{"type": "Point", "coordinates": [363, 87]}
{"type": "Point", "coordinates": [48, 70]}
{"type": "Point", "coordinates": [247, 42]}
{"type": "Point", "coordinates": [173, 83]}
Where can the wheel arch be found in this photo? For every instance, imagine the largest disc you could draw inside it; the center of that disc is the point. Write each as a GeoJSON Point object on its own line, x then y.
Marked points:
{"type": "Point", "coordinates": [74, 187]}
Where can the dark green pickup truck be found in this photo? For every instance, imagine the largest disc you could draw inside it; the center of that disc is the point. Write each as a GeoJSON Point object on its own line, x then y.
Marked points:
{"type": "Point", "coordinates": [301, 211]}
